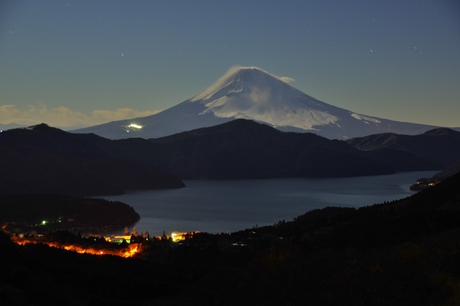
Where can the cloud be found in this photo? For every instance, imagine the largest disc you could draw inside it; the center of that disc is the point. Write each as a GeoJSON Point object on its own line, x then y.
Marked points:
{"type": "Point", "coordinates": [286, 79]}
{"type": "Point", "coordinates": [120, 113]}
{"type": "Point", "coordinates": [12, 114]}
{"type": "Point", "coordinates": [235, 68]}
{"type": "Point", "coordinates": [64, 117]}
{"type": "Point", "coordinates": [7, 111]}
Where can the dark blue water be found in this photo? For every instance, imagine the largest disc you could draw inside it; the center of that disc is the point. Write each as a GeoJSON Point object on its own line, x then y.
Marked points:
{"type": "Point", "coordinates": [221, 206]}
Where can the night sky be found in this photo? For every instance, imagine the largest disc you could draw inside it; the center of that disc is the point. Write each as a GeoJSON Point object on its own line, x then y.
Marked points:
{"type": "Point", "coordinates": [79, 63]}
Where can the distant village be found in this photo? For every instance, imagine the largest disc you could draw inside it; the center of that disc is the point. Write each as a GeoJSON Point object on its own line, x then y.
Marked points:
{"type": "Point", "coordinates": [126, 245]}
{"type": "Point", "coordinates": [134, 236]}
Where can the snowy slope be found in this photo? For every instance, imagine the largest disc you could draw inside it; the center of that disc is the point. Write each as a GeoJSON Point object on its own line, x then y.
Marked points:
{"type": "Point", "coordinates": [252, 93]}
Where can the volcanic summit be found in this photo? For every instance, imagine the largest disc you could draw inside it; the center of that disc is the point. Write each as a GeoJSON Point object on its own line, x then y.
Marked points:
{"type": "Point", "coordinates": [254, 94]}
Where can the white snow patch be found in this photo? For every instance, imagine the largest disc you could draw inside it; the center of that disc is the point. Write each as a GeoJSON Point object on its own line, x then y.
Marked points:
{"type": "Point", "coordinates": [257, 106]}
{"type": "Point", "coordinates": [365, 118]}
{"type": "Point", "coordinates": [286, 79]}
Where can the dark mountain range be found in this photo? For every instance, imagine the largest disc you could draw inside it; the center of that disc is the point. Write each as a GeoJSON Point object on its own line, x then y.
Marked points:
{"type": "Point", "coordinates": [243, 149]}
{"type": "Point", "coordinates": [41, 159]}
{"type": "Point", "coordinates": [440, 146]}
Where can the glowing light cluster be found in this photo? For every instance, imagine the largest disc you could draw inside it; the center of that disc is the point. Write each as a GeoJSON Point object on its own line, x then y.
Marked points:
{"type": "Point", "coordinates": [127, 252]}
{"type": "Point", "coordinates": [135, 126]}
{"type": "Point", "coordinates": [179, 236]}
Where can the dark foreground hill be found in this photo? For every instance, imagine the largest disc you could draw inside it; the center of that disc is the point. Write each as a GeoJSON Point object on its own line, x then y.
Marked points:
{"type": "Point", "coordinates": [41, 159]}
{"type": "Point", "coordinates": [406, 252]}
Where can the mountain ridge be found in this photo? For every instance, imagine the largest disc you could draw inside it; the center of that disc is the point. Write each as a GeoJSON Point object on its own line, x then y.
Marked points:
{"type": "Point", "coordinates": [246, 149]}
{"type": "Point", "coordinates": [291, 154]}
{"type": "Point", "coordinates": [66, 162]}
{"type": "Point", "coordinates": [441, 144]}
{"type": "Point", "coordinates": [42, 159]}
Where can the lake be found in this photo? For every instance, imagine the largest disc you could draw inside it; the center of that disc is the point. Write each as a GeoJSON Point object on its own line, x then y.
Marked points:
{"type": "Point", "coordinates": [228, 206]}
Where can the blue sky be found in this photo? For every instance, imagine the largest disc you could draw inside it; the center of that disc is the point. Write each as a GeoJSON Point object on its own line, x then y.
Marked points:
{"type": "Point", "coordinates": [79, 63]}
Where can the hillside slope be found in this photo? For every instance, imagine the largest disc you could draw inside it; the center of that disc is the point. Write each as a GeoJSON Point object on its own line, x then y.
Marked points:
{"type": "Point", "coordinates": [440, 146]}
{"type": "Point", "coordinates": [41, 159]}
{"type": "Point", "coordinates": [245, 149]}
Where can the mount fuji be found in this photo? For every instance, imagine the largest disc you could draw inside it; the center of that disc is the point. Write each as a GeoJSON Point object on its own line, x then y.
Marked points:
{"type": "Point", "coordinates": [254, 94]}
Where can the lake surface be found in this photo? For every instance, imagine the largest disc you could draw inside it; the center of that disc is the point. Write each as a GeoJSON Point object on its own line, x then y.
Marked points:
{"type": "Point", "coordinates": [222, 206]}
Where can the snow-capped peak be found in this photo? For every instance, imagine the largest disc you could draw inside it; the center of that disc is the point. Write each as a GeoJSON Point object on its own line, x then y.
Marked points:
{"type": "Point", "coordinates": [238, 75]}
{"type": "Point", "coordinates": [252, 93]}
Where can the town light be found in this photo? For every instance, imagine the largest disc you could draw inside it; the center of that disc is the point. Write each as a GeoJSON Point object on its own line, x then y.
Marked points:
{"type": "Point", "coordinates": [135, 126]}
